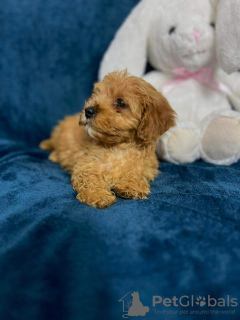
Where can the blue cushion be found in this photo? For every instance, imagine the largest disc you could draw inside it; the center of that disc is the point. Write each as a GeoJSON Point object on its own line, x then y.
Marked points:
{"type": "Point", "coordinates": [60, 259]}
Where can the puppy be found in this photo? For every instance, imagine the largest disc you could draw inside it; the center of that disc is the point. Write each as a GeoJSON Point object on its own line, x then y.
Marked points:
{"type": "Point", "coordinates": [113, 149]}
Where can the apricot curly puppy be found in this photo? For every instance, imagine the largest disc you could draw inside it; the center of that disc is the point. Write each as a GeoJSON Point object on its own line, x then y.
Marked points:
{"type": "Point", "coordinates": [114, 150]}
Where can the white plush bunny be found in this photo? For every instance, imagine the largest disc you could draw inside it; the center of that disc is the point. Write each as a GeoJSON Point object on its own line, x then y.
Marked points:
{"type": "Point", "coordinates": [178, 37]}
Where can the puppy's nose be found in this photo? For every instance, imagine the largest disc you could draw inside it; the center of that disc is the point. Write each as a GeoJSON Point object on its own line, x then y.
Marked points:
{"type": "Point", "coordinates": [90, 112]}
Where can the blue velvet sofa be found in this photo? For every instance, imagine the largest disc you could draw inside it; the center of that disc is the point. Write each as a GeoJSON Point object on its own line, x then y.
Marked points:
{"type": "Point", "coordinates": [63, 260]}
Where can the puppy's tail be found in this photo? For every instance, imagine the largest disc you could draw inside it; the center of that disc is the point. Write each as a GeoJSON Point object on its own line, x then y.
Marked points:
{"type": "Point", "coordinates": [46, 145]}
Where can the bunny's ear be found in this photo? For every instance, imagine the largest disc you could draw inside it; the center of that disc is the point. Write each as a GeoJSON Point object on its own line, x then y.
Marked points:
{"type": "Point", "coordinates": [128, 49]}
{"type": "Point", "coordinates": [228, 34]}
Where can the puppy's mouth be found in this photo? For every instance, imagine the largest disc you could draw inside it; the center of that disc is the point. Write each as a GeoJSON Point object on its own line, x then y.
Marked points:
{"type": "Point", "coordinates": [83, 121]}
{"type": "Point", "coordinates": [89, 130]}
{"type": "Point", "coordinates": [88, 126]}
{"type": "Point", "coordinates": [87, 123]}
{"type": "Point", "coordinates": [108, 136]}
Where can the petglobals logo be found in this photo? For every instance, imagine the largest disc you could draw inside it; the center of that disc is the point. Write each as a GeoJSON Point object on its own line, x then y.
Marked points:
{"type": "Point", "coordinates": [192, 301]}
{"type": "Point", "coordinates": [134, 306]}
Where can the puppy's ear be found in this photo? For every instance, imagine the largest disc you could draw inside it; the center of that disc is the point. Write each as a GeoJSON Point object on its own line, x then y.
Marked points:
{"type": "Point", "coordinates": [157, 116]}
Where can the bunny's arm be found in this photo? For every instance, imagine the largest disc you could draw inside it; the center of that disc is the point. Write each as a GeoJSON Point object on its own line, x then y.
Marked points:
{"type": "Point", "coordinates": [232, 81]}
{"type": "Point", "coordinates": [156, 78]}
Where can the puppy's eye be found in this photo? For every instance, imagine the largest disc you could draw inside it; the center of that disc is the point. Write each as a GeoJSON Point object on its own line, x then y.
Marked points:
{"type": "Point", "coordinates": [172, 30]}
{"type": "Point", "coordinates": [120, 103]}
{"type": "Point", "coordinates": [212, 25]}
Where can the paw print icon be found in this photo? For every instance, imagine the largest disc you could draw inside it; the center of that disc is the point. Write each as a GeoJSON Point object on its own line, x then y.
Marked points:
{"type": "Point", "coordinates": [201, 301]}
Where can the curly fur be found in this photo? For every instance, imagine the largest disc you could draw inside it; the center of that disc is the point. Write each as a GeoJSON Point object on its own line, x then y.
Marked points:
{"type": "Point", "coordinates": [113, 152]}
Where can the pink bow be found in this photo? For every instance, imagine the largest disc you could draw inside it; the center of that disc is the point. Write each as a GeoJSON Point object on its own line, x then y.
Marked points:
{"type": "Point", "coordinates": [204, 76]}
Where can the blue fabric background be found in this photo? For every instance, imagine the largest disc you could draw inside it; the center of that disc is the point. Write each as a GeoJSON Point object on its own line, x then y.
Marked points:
{"type": "Point", "coordinates": [60, 259]}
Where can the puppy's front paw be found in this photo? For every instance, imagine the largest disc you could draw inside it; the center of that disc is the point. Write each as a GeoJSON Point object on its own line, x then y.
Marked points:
{"type": "Point", "coordinates": [131, 194]}
{"type": "Point", "coordinates": [98, 199]}
{"type": "Point", "coordinates": [136, 191]}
